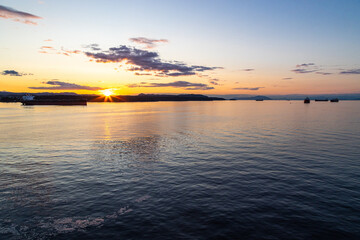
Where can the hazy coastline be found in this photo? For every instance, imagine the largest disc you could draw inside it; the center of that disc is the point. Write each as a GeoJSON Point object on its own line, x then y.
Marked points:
{"type": "Point", "coordinates": [16, 97]}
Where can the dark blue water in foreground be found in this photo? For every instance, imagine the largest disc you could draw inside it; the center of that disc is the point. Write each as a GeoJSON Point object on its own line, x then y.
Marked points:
{"type": "Point", "coordinates": [181, 170]}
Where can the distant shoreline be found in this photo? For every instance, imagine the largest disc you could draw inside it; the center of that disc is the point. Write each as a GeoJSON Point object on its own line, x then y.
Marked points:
{"type": "Point", "coordinates": [17, 97]}
{"type": "Point", "coordinates": [99, 98]}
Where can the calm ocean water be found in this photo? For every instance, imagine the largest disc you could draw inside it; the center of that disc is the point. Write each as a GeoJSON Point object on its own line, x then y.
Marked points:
{"type": "Point", "coordinates": [180, 170]}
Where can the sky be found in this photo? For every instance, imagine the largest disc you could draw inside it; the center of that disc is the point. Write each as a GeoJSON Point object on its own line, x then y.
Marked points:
{"type": "Point", "coordinates": [255, 47]}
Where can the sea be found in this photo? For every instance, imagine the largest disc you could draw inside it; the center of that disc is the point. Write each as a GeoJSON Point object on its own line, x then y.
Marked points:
{"type": "Point", "coordinates": [180, 170]}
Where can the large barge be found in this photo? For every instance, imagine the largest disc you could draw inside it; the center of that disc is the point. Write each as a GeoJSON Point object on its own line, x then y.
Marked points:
{"type": "Point", "coordinates": [31, 101]}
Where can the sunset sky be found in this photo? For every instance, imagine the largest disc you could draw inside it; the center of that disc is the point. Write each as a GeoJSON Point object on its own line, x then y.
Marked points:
{"type": "Point", "coordinates": [206, 47]}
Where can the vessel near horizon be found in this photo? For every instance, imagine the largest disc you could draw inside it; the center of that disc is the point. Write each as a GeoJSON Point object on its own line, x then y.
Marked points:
{"type": "Point", "coordinates": [30, 100]}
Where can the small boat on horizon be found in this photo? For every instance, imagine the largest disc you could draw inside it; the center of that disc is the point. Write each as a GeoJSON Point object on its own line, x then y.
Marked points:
{"type": "Point", "coordinates": [30, 100]}
{"type": "Point", "coordinates": [307, 100]}
{"type": "Point", "coordinates": [334, 100]}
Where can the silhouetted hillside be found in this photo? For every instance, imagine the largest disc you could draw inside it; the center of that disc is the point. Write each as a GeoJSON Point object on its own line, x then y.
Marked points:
{"type": "Point", "coordinates": [252, 98]}
{"type": "Point", "coordinates": [153, 98]}
{"type": "Point", "coordinates": [17, 97]}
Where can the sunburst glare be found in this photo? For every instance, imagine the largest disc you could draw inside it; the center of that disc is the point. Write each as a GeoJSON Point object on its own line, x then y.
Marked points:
{"type": "Point", "coordinates": [107, 92]}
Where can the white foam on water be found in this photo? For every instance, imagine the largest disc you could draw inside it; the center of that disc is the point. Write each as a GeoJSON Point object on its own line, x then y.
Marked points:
{"type": "Point", "coordinates": [112, 216]}
{"type": "Point", "coordinates": [65, 225]}
{"type": "Point", "coordinates": [143, 198]}
{"type": "Point", "coordinates": [122, 210]}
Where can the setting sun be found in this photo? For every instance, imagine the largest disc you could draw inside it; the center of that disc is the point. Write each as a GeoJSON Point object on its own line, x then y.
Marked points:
{"type": "Point", "coordinates": [107, 92]}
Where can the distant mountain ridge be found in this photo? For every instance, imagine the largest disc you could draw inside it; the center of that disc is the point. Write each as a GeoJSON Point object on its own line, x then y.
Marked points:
{"type": "Point", "coordinates": [259, 97]}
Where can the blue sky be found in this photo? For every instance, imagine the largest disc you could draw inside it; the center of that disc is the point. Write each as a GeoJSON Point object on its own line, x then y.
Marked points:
{"type": "Point", "coordinates": [269, 37]}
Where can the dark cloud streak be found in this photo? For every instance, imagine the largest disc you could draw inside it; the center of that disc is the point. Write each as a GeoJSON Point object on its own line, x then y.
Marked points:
{"type": "Point", "coordinates": [14, 73]}
{"type": "Point", "coordinates": [323, 73]}
{"type": "Point", "coordinates": [305, 65]}
{"type": "Point", "coordinates": [11, 73]}
{"type": "Point", "coordinates": [301, 70]}
{"type": "Point", "coordinates": [351, 71]}
{"type": "Point", "coordinates": [305, 68]}
{"type": "Point", "coordinates": [251, 89]}
{"type": "Point", "coordinates": [17, 16]}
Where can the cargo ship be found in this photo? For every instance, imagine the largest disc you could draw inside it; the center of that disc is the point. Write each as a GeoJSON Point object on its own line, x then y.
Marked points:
{"type": "Point", "coordinates": [30, 100]}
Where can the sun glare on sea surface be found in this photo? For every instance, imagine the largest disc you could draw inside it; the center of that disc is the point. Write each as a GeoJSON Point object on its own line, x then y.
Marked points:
{"type": "Point", "coordinates": [107, 92]}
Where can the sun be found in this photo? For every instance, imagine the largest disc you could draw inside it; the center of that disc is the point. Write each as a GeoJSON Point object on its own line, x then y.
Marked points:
{"type": "Point", "coordinates": [107, 92]}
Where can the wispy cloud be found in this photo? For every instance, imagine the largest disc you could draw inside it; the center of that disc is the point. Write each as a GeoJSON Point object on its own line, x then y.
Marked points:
{"type": "Point", "coordinates": [46, 47]}
{"type": "Point", "coordinates": [305, 65]}
{"type": "Point", "coordinates": [62, 51]}
{"type": "Point", "coordinates": [146, 61]}
{"type": "Point", "coordinates": [14, 73]}
{"type": "Point", "coordinates": [351, 71]}
{"type": "Point", "coordinates": [177, 84]}
{"type": "Point", "coordinates": [149, 43]}
{"type": "Point", "coordinates": [94, 47]}
{"type": "Point", "coordinates": [211, 80]}
{"type": "Point", "coordinates": [48, 40]}
{"type": "Point", "coordinates": [58, 85]}
{"type": "Point", "coordinates": [17, 16]}
{"type": "Point", "coordinates": [68, 52]}
{"type": "Point", "coordinates": [142, 74]}
{"type": "Point", "coordinates": [300, 70]}
{"type": "Point", "coordinates": [248, 69]}
{"type": "Point", "coordinates": [251, 89]}
{"type": "Point", "coordinates": [287, 78]}
{"type": "Point", "coordinates": [214, 83]}
{"type": "Point", "coordinates": [323, 73]}
{"type": "Point", "coordinates": [305, 68]}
